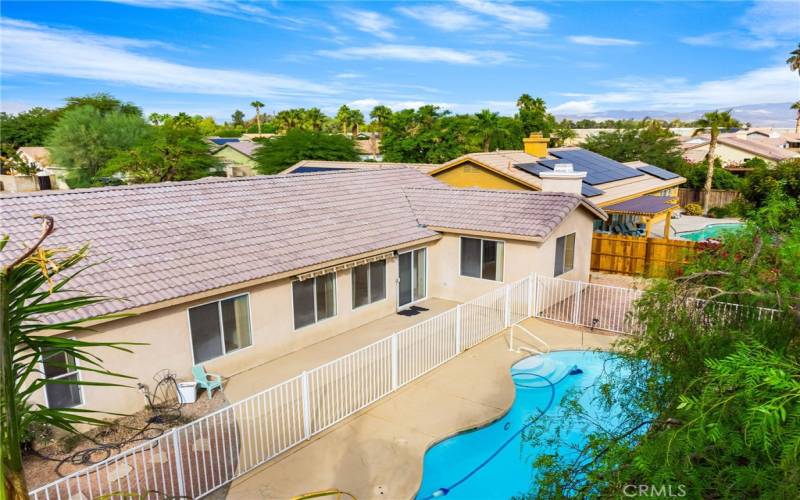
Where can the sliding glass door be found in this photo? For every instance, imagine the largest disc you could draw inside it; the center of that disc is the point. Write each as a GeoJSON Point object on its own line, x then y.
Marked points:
{"type": "Point", "coordinates": [413, 273]}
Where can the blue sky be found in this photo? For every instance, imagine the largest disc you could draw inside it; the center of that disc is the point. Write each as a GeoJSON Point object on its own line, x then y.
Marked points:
{"type": "Point", "coordinates": [211, 57]}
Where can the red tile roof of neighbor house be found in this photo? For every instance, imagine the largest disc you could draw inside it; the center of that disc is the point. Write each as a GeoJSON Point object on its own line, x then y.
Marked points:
{"type": "Point", "coordinates": [173, 240]}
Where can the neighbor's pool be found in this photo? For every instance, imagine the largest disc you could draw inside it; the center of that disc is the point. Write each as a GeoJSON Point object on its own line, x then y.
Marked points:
{"type": "Point", "coordinates": [710, 231]}
{"type": "Point", "coordinates": [465, 465]}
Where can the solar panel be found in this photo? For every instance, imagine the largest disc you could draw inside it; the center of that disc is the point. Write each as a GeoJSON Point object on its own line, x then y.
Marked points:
{"type": "Point", "coordinates": [658, 172]}
{"type": "Point", "coordinates": [534, 168]}
{"type": "Point", "coordinates": [598, 168]}
{"type": "Point", "coordinates": [589, 191]}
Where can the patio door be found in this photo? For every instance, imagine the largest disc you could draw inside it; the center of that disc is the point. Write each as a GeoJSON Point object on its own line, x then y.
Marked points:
{"type": "Point", "coordinates": [412, 283]}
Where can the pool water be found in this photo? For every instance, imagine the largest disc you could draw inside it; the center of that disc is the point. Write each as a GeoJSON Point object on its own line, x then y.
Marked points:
{"type": "Point", "coordinates": [449, 463]}
{"type": "Point", "coordinates": [710, 231]}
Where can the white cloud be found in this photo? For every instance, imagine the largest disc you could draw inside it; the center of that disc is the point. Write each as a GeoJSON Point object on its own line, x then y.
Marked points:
{"type": "Point", "coordinates": [29, 48]}
{"type": "Point", "coordinates": [370, 22]}
{"type": "Point", "coordinates": [514, 17]}
{"type": "Point", "coordinates": [765, 25]}
{"type": "Point", "coordinates": [441, 17]}
{"type": "Point", "coordinates": [764, 85]}
{"type": "Point", "coordinates": [601, 41]}
{"type": "Point", "coordinates": [245, 11]}
{"type": "Point", "coordinates": [417, 53]}
{"type": "Point", "coordinates": [349, 76]}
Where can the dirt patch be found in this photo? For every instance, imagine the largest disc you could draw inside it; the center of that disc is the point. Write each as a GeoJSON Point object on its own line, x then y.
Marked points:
{"type": "Point", "coordinates": [70, 453]}
{"type": "Point", "coordinates": [621, 280]}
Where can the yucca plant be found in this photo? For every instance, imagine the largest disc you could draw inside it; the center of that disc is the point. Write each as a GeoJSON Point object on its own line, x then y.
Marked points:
{"type": "Point", "coordinates": [34, 295]}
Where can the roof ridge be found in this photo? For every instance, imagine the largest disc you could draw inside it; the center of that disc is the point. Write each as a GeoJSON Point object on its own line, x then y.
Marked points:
{"type": "Point", "coordinates": [502, 191]}
{"type": "Point", "coordinates": [181, 184]}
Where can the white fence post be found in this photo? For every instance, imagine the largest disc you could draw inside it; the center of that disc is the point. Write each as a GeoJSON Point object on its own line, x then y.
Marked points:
{"type": "Point", "coordinates": [507, 321]}
{"type": "Point", "coordinates": [458, 329]}
{"type": "Point", "coordinates": [536, 296]}
{"type": "Point", "coordinates": [576, 314]}
{"type": "Point", "coordinates": [530, 296]}
{"type": "Point", "coordinates": [395, 363]}
{"type": "Point", "coordinates": [306, 406]}
{"type": "Point", "coordinates": [176, 445]}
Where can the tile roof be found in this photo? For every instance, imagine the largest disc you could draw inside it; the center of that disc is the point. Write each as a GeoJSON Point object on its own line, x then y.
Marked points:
{"type": "Point", "coordinates": [159, 242]}
{"type": "Point", "coordinates": [768, 148]}
{"type": "Point", "coordinates": [521, 213]}
{"type": "Point", "coordinates": [643, 205]}
{"type": "Point", "coordinates": [245, 147]}
{"type": "Point", "coordinates": [364, 165]}
{"type": "Point", "coordinates": [170, 240]}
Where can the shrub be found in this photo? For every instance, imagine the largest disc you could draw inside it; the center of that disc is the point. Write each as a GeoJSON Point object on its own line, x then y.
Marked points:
{"type": "Point", "coordinates": [693, 209]}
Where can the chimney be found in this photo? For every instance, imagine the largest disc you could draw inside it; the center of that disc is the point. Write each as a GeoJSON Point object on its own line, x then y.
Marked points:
{"type": "Point", "coordinates": [535, 145]}
{"type": "Point", "coordinates": [563, 179]}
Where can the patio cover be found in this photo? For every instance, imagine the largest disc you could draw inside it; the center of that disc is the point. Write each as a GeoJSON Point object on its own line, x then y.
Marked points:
{"type": "Point", "coordinates": [643, 205]}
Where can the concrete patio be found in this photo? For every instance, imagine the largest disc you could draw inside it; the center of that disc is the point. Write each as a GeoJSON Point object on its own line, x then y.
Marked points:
{"type": "Point", "coordinates": [273, 372]}
{"type": "Point", "coordinates": [378, 452]}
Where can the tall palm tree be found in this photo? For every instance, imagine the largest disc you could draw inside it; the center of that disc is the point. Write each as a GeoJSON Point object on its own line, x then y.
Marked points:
{"type": "Point", "coordinates": [380, 114]}
{"type": "Point", "coordinates": [712, 123]}
{"type": "Point", "coordinates": [314, 118]}
{"type": "Point", "coordinates": [487, 126]}
{"type": "Point", "coordinates": [258, 105]}
{"type": "Point", "coordinates": [356, 120]}
{"type": "Point", "coordinates": [343, 117]}
{"type": "Point", "coordinates": [796, 107]}
{"type": "Point", "coordinates": [794, 59]}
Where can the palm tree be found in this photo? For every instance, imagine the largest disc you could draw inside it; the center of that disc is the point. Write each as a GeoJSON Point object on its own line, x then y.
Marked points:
{"type": "Point", "coordinates": [156, 118]}
{"type": "Point", "coordinates": [487, 126]}
{"type": "Point", "coordinates": [796, 107]}
{"type": "Point", "coordinates": [380, 114]}
{"type": "Point", "coordinates": [314, 118]}
{"type": "Point", "coordinates": [258, 105]}
{"type": "Point", "coordinates": [356, 119]}
{"type": "Point", "coordinates": [712, 123]}
{"type": "Point", "coordinates": [794, 59]}
{"type": "Point", "coordinates": [343, 117]}
{"type": "Point", "coordinates": [238, 118]}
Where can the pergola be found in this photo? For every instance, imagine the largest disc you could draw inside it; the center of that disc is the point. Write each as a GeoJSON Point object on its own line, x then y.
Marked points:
{"type": "Point", "coordinates": [648, 208]}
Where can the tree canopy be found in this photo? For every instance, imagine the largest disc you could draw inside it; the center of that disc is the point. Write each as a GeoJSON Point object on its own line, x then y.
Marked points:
{"type": "Point", "coordinates": [281, 152]}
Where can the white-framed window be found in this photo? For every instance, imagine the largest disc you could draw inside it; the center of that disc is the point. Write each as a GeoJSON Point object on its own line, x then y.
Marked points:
{"type": "Point", "coordinates": [61, 366]}
{"type": "Point", "coordinates": [369, 283]}
{"type": "Point", "coordinates": [314, 299]}
{"type": "Point", "coordinates": [482, 258]}
{"type": "Point", "coordinates": [565, 254]}
{"type": "Point", "coordinates": [220, 327]}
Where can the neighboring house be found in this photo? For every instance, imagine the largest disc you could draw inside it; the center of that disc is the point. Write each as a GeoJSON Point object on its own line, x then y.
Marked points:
{"type": "Point", "coordinates": [47, 177]}
{"type": "Point", "coordinates": [238, 158]}
{"type": "Point", "coordinates": [607, 183]}
{"type": "Point", "coordinates": [733, 149]}
{"type": "Point", "coordinates": [233, 273]}
{"type": "Point", "coordinates": [369, 149]}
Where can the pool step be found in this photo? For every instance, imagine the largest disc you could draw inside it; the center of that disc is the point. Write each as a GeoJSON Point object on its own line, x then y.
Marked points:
{"type": "Point", "coordinates": [547, 368]}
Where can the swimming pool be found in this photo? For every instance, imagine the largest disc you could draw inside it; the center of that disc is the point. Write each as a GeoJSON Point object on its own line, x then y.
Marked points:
{"type": "Point", "coordinates": [451, 464]}
{"type": "Point", "coordinates": [710, 231]}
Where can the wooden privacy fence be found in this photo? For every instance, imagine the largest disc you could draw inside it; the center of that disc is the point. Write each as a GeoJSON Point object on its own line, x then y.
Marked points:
{"type": "Point", "coordinates": [717, 197]}
{"type": "Point", "coordinates": [619, 254]}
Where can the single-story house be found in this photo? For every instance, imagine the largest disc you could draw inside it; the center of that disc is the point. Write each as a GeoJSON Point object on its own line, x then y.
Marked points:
{"type": "Point", "coordinates": [733, 149]}
{"type": "Point", "coordinates": [48, 175]}
{"type": "Point", "coordinates": [232, 273]}
{"type": "Point", "coordinates": [237, 156]}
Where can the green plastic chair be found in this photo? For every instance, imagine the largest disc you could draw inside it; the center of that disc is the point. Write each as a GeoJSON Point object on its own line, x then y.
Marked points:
{"type": "Point", "coordinates": [208, 381]}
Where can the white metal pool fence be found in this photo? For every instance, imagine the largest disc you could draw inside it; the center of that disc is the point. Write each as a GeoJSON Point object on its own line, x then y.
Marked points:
{"type": "Point", "coordinates": [208, 453]}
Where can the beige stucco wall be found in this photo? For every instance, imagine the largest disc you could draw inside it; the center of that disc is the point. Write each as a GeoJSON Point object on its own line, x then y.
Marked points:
{"type": "Point", "coordinates": [166, 331]}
